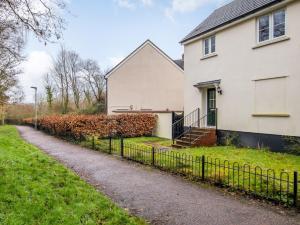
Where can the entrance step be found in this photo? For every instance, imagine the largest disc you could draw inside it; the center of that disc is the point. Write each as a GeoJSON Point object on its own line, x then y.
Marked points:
{"type": "Point", "coordinates": [196, 138]}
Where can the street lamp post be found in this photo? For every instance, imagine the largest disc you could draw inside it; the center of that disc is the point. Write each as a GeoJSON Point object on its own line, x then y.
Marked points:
{"type": "Point", "coordinates": [35, 106]}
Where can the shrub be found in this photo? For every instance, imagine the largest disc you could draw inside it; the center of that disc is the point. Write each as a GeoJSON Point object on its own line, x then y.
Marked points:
{"type": "Point", "coordinates": [127, 125]}
{"type": "Point", "coordinates": [292, 144]}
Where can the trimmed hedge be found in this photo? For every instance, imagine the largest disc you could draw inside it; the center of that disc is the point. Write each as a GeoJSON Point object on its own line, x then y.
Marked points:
{"type": "Point", "coordinates": [127, 125]}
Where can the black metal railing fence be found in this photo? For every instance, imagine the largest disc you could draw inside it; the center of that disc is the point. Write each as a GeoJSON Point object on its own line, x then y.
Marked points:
{"type": "Point", "coordinates": [279, 187]}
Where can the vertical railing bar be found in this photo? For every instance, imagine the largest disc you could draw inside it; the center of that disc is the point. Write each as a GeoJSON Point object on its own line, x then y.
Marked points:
{"type": "Point", "coordinates": [295, 194]}
{"type": "Point", "coordinates": [203, 167]}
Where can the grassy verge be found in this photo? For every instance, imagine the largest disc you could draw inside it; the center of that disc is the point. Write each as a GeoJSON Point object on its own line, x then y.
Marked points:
{"type": "Point", "coordinates": [36, 189]}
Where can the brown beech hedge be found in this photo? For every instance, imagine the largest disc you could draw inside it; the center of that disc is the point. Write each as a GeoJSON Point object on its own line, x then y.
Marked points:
{"type": "Point", "coordinates": [127, 125]}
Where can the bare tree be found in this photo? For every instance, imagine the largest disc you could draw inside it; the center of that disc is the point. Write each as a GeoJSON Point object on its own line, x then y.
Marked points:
{"type": "Point", "coordinates": [49, 89]}
{"type": "Point", "coordinates": [87, 95]}
{"type": "Point", "coordinates": [8, 76]}
{"type": "Point", "coordinates": [17, 17]}
{"type": "Point", "coordinates": [60, 74]}
{"type": "Point", "coordinates": [42, 17]}
{"type": "Point", "coordinates": [10, 59]}
{"type": "Point", "coordinates": [74, 64]}
{"type": "Point", "coordinates": [95, 79]}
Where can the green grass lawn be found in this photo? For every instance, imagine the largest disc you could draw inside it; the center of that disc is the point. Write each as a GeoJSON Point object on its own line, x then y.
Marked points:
{"type": "Point", "coordinates": [255, 157]}
{"type": "Point", "coordinates": [150, 141]}
{"type": "Point", "coordinates": [263, 158]}
{"type": "Point", "coordinates": [36, 189]}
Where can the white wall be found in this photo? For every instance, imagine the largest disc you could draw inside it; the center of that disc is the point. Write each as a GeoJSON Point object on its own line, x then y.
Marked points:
{"type": "Point", "coordinates": [164, 125]}
{"type": "Point", "coordinates": [238, 65]}
{"type": "Point", "coordinates": [148, 80]}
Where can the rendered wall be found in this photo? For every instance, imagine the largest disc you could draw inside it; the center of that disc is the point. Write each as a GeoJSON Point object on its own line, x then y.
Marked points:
{"type": "Point", "coordinates": [148, 80]}
{"type": "Point", "coordinates": [164, 125]}
{"type": "Point", "coordinates": [240, 67]}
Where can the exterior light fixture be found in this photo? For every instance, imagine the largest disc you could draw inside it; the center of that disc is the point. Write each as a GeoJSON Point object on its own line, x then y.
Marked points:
{"type": "Point", "coordinates": [219, 90]}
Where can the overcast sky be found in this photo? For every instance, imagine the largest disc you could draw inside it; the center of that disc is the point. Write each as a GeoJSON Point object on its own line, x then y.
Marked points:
{"type": "Point", "coordinates": [108, 30]}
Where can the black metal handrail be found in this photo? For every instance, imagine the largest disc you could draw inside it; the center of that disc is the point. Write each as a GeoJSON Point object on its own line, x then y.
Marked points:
{"type": "Point", "coordinates": [201, 119]}
{"type": "Point", "coordinates": [195, 122]}
{"type": "Point", "coordinates": [184, 125]}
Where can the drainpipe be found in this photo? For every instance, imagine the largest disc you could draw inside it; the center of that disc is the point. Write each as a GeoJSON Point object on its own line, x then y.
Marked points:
{"type": "Point", "coordinates": [106, 89]}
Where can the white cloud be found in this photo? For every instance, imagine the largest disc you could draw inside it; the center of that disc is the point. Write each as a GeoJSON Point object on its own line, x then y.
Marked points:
{"type": "Point", "coordinates": [132, 4]}
{"type": "Point", "coordinates": [126, 4]}
{"type": "Point", "coordinates": [34, 68]}
{"type": "Point", "coordinates": [186, 6]}
{"type": "Point", "coordinates": [147, 2]}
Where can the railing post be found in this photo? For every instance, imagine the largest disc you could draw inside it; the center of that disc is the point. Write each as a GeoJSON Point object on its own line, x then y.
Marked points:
{"type": "Point", "coordinates": [153, 156]}
{"type": "Point", "coordinates": [173, 134]}
{"type": "Point", "coordinates": [109, 145]}
{"type": "Point", "coordinates": [190, 136]}
{"type": "Point", "coordinates": [295, 188]}
{"type": "Point", "coordinates": [216, 118]}
{"type": "Point", "coordinates": [122, 147]}
{"type": "Point", "coordinates": [203, 167]}
{"type": "Point", "coordinates": [198, 117]}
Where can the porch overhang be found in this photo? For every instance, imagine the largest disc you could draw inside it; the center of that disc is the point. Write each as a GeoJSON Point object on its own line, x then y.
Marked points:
{"type": "Point", "coordinates": [206, 84]}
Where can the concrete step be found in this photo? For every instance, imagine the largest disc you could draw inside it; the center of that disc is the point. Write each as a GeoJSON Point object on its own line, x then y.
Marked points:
{"type": "Point", "coordinates": [193, 136]}
{"type": "Point", "coordinates": [197, 132]}
{"type": "Point", "coordinates": [178, 146]}
{"type": "Point", "coordinates": [197, 135]}
{"type": "Point", "coordinates": [183, 143]}
{"type": "Point", "coordinates": [188, 139]}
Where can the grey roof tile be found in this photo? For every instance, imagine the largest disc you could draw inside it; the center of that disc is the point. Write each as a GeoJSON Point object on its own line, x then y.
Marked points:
{"type": "Point", "coordinates": [180, 63]}
{"type": "Point", "coordinates": [229, 13]}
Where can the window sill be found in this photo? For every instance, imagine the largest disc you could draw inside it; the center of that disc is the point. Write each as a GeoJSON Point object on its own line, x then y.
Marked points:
{"type": "Point", "coordinates": [270, 42]}
{"type": "Point", "coordinates": [209, 56]}
{"type": "Point", "coordinates": [271, 115]}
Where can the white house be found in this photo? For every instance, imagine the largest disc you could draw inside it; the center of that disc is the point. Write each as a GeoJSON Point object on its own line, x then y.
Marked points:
{"type": "Point", "coordinates": [242, 71]}
{"type": "Point", "coordinates": [147, 81]}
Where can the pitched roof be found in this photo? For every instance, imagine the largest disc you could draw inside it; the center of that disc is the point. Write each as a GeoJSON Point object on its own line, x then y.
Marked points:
{"type": "Point", "coordinates": [180, 63]}
{"type": "Point", "coordinates": [174, 62]}
{"type": "Point", "coordinates": [229, 13]}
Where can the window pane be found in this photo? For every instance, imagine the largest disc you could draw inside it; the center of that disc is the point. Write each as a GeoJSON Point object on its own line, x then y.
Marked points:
{"type": "Point", "coordinates": [213, 44]}
{"type": "Point", "coordinates": [264, 35]}
{"type": "Point", "coordinates": [206, 46]}
{"type": "Point", "coordinates": [279, 23]}
{"type": "Point", "coordinates": [279, 17]}
{"type": "Point", "coordinates": [279, 30]}
{"type": "Point", "coordinates": [263, 28]}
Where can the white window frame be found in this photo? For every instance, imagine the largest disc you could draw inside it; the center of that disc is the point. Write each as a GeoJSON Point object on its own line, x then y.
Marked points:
{"type": "Point", "coordinates": [271, 26]}
{"type": "Point", "coordinates": [209, 45]}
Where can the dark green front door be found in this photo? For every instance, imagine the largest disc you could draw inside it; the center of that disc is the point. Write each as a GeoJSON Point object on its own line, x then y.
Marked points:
{"type": "Point", "coordinates": [211, 107]}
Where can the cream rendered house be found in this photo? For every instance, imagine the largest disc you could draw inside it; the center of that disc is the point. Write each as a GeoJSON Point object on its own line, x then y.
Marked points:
{"type": "Point", "coordinates": [242, 70]}
{"type": "Point", "coordinates": [147, 81]}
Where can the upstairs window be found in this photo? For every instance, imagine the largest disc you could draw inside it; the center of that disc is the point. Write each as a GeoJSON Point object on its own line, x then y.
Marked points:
{"type": "Point", "coordinates": [279, 23]}
{"type": "Point", "coordinates": [271, 26]}
{"type": "Point", "coordinates": [209, 45]}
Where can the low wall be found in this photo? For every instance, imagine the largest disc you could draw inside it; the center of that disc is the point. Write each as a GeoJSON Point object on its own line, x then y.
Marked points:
{"type": "Point", "coordinates": [275, 143]}
{"type": "Point", "coordinates": [164, 125]}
